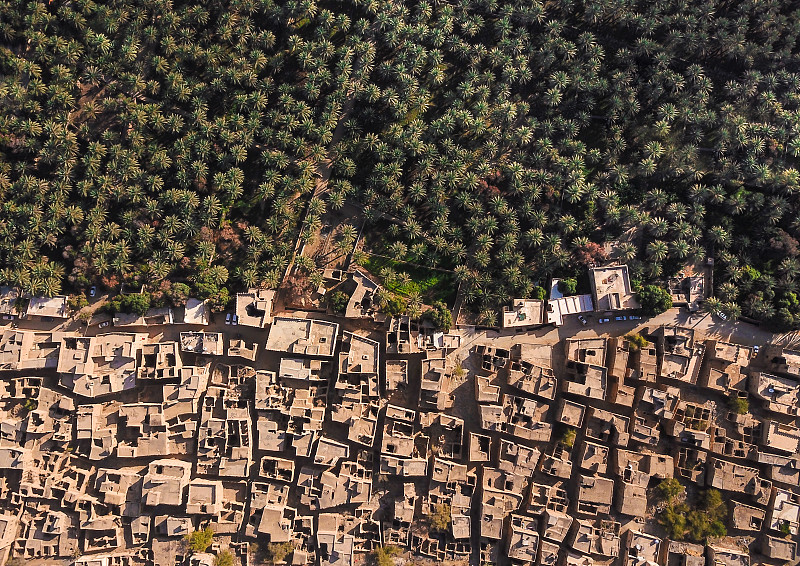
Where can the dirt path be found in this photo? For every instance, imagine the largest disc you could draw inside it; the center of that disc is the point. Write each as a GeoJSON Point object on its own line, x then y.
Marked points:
{"type": "Point", "coordinates": [324, 170]}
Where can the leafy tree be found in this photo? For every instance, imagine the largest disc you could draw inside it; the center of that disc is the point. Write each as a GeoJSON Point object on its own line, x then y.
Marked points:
{"type": "Point", "coordinates": [440, 316]}
{"type": "Point", "coordinates": [674, 520]}
{"type": "Point", "coordinates": [135, 303]}
{"type": "Point", "coordinates": [712, 503]}
{"type": "Point", "coordinates": [738, 405]}
{"type": "Point", "coordinates": [568, 438]}
{"type": "Point", "coordinates": [338, 301]}
{"type": "Point", "coordinates": [440, 518]}
{"type": "Point", "coordinates": [393, 305]}
{"type": "Point", "coordinates": [636, 340]}
{"type": "Point", "coordinates": [178, 294]}
{"type": "Point", "coordinates": [199, 541]}
{"type": "Point", "coordinates": [224, 558]}
{"type": "Point", "coordinates": [654, 300]}
{"type": "Point", "coordinates": [384, 555]}
{"type": "Point", "coordinates": [539, 293]}
{"type": "Point", "coordinates": [669, 490]}
{"type": "Point", "coordinates": [568, 286]}
{"type": "Point", "coordinates": [77, 302]}
{"type": "Point", "coordinates": [279, 551]}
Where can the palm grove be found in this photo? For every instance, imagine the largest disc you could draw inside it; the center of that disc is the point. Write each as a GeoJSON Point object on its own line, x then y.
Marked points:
{"type": "Point", "coordinates": [172, 143]}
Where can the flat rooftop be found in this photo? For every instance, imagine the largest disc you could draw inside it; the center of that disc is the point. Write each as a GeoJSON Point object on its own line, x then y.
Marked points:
{"type": "Point", "coordinates": [611, 287]}
{"type": "Point", "coordinates": [302, 336]}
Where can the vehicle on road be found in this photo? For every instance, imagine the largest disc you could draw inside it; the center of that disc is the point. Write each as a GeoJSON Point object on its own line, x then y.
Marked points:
{"type": "Point", "coordinates": [755, 350]}
{"type": "Point", "coordinates": [604, 320]}
{"type": "Point", "coordinates": [228, 318]}
{"type": "Point", "coordinates": [92, 291]}
{"type": "Point", "coordinates": [621, 318]}
{"type": "Point", "coordinates": [633, 317]}
{"type": "Point", "coordinates": [8, 317]}
{"type": "Point", "coordinates": [582, 319]}
{"type": "Point", "coordinates": [722, 315]}
{"type": "Point", "coordinates": [235, 320]}
{"type": "Point", "coordinates": [104, 324]}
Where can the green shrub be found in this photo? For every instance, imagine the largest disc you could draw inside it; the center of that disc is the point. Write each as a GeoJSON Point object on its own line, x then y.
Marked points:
{"type": "Point", "coordinates": [278, 551]}
{"type": "Point", "coordinates": [441, 517]}
{"type": "Point", "coordinates": [395, 305]}
{"type": "Point", "coordinates": [669, 489]}
{"type": "Point", "coordinates": [137, 303]}
{"type": "Point", "coordinates": [539, 293]}
{"type": "Point", "coordinates": [199, 541]}
{"type": "Point", "coordinates": [383, 555]}
{"type": "Point", "coordinates": [338, 301]}
{"type": "Point", "coordinates": [636, 340]}
{"type": "Point", "coordinates": [440, 316]}
{"type": "Point", "coordinates": [77, 302]}
{"type": "Point", "coordinates": [654, 300]}
{"type": "Point", "coordinates": [712, 503]}
{"type": "Point", "coordinates": [224, 558]}
{"type": "Point", "coordinates": [738, 405]}
{"type": "Point", "coordinates": [568, 286]}
{"type": "Point", "coordinates": [568, 438]}
{"type": "Point", "coordinates": [673, 519]}
{"type": "Point", "coordinates": [178, 294]}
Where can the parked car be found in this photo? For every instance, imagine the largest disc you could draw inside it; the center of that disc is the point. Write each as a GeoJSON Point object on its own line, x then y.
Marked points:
{"type": "Point", "coordinates": [104, 324]}
{"type": "Point", "coordinates": [621, 318]}
{"type": "Point", "coordinates": [228, 318]}
{"type": "Point", "coordinates": [235, 320]}
{"type": "Point", "coordinates": [756, 348]}
{"type": "Point", "coordinates": [633, 317]}
{"type": "Point", "coordinates": [8, 317]}
{"type": "Point", "coordinates": [582, 319]}
{"type": "Point", "coordinates": [604, 320]}
{"type": "Point", "coordinates": [92, 291]}
{"type": "Point", "coordinates": [722, 315]}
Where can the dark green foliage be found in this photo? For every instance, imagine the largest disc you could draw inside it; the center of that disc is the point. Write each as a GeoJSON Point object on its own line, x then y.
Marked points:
{"type": "Point", "coordinates": [394, 305]}
{"type": "Point", "coordinates": [673, 519]}
{"type": "Point", "coordinates": [654, 300]}
{"type": "Point", "coordinates": [224, 558]}
{"type": "Point", "coordinates": [199, 541]}
{"type": "Point", "coordinates": [136, 303]}
{"type": "Point", "coordinates": [278, 551]}
{"type": "Point", "coordinates": [568, 438]}
{"type": "Point", "coordinates": [77, 302]}
{"type": "Point", "coordinates": [440, 518]}
{"type": "Point", "coordinates": [669, 489]}
{"type": "Point", "coordinates": [711, 502]}
{"type": "Point", "coordinates": [568, 286]}
{"type": "Point", "coordinates": [431, 284]}
{"type": "Point", "coordinates": [539, 293]}
{"type": "Point", "coordinates": [440, 316]}
{"type": "Point", "coordinates": [338, 301]}
{"type": "Point", "coordinates": [636, 340]}
{"type": "Point", "coordinates": [178, 293]}
{"type": "Point", "coordinates": [507, 142]}
{"type": "Point", "coordinates": [738, 405]}
{"type": "Point", "coordinates": [706, 520]}
{"type": "Point", "coordinates": [785, 528]}
{"type": "Point", "coordinates": [383, 555]}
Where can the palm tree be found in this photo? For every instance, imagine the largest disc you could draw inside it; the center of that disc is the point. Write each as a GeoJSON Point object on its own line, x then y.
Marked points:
{"type": "Point", "coordinates": [657, 250]}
